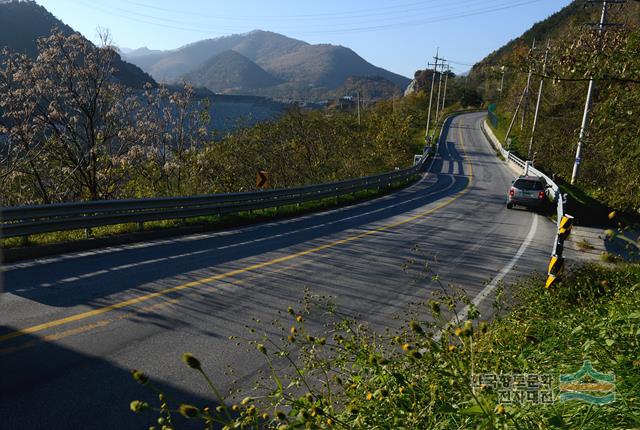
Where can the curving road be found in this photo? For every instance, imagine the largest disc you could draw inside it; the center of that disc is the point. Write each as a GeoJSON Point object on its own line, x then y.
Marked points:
{"type": "Point", "coordinates": [72, 327]}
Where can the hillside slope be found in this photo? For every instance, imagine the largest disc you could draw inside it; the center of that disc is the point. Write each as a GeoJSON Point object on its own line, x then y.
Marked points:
{"type": "Point", "coordinates": [22, 23]}
{"type": "Point", "coordinates": [610, 160]}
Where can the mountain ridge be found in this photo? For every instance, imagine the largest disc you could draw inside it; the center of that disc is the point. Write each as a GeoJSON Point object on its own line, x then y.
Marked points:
{"type": "Point", "coordinates": [296, 63]}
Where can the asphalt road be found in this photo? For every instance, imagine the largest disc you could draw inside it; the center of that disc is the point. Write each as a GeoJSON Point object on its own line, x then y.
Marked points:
{"type": "Point", "coordinates": [72, 327]}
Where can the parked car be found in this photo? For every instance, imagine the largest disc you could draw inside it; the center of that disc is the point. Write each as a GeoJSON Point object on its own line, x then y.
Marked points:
{"type": "Point", "coordinates": [529, 191]}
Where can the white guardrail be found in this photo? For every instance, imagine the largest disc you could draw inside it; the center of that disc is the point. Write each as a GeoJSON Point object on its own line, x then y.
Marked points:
{"type": "Point", "coordinates": [554, 194]}
{"type": "Point", "coordinates": [22, 221]}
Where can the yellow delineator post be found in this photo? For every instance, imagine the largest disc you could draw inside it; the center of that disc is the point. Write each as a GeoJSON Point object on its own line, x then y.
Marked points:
{"type": "Point", "coordinates": [564, 229]}
{"type": "Point", "coordinates": [556, 265]}
{"type": "Point", "coordinates": [555, 270]}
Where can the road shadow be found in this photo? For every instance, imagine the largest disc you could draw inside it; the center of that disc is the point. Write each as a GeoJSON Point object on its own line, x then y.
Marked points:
{"type": "Point", "coordinates": [53, 387]}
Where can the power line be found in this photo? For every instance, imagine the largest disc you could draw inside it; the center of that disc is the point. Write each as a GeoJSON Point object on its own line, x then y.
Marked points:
{"type": "Point", "coordinates": [385, 17]}
{"type": "Point", "coordinates": [369, 12]}
{"type": "Point", "coordinates": [442, 18]}
{"type": "Point", "coordinates": [340, 28]}
{"type": "Point", "coordinates": [602, 78]}
{"type": "Point", "coordinates": [460, 63]}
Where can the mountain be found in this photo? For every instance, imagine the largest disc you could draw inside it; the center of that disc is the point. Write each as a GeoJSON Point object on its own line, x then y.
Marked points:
{"type": "Point", "coordinates": [325, 66]}
{"type": "Point", "coordinates": [297, 64]}
{"type": "Point", "coordinates": [22, 23]}
{"type": "Point", "coordinates": [139, 52]}
{"type": "Point", "coordinates": [169, 66]}
{"type": "Point", "coordinates": [229, 71]}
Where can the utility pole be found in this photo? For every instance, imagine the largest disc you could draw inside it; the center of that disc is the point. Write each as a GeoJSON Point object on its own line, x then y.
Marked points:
{"type": "Point", "coordinates": [535, 115]}
{"type": "Point", "coordinates": [513, 119]}
{"type": "Point", "coordinates": [358, 97]}
{"type": "Point", "coordinates": [587, 104]}
{"type": "Point", "coordinates": [526, 91]}
{"type": "Point", "coordinates": [444, 95]}
{"type": "Point", "coordinates": [433, 81]}
{"type": "Point", "coordinates": [438, 99]}
{"type": "Point", "coordinates": [501, 81]}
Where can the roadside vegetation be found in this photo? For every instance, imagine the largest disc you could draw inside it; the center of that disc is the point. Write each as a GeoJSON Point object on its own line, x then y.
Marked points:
{"type": "Point", "coordinates": [328, 370]}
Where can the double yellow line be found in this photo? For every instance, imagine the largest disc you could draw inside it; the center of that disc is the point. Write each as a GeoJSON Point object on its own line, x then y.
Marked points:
{"type": "Point", "coordinates": [218, 277]}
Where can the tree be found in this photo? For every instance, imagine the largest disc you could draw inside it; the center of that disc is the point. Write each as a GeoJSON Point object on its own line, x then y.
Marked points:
{"type": "Point", "coordinates": [67, 118]}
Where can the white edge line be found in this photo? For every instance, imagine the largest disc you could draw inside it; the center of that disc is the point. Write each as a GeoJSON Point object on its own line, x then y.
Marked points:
{"type": "Point", "coordinates": [486, 291]}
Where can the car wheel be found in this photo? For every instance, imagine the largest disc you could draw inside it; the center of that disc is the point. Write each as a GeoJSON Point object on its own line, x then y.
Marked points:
{"type": "Point", "coordinates": [509, 205]}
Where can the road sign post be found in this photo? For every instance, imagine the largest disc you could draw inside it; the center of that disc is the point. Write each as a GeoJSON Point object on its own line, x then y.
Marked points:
{"type": "Point", "coordinates": [262, 180]}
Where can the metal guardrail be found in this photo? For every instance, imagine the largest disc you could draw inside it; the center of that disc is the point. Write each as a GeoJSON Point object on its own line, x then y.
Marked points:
{"type": "Point", "coordinates": [27, 220]}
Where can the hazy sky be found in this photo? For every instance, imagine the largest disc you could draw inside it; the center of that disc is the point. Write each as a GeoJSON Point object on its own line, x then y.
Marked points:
{"type": "Point", "coordinates": [400, 36]}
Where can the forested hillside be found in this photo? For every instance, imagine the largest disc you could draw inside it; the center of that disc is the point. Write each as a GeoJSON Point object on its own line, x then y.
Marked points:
{"type": "Point", "coordinates": [610, 168]}
{"type": "Point", "coordinates": [23, 23]}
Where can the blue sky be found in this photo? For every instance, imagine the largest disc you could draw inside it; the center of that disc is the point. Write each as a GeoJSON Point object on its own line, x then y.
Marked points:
{"type": "Point", "coordinates": [400, 36]}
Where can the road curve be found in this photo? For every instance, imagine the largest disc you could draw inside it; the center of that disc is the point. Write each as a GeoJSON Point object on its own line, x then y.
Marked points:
{"type": "Point", "coordinates": [72, 327]}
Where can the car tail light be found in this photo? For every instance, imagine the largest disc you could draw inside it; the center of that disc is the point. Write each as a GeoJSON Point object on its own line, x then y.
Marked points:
{"type": "Point", "coordinates": [541, 195]}
{"type": "Point", "coordinates": [512, 191]}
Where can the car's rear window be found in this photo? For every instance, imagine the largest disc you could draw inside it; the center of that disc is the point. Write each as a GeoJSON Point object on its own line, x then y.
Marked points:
{"type": "Point", "coordinates": [527, 184]}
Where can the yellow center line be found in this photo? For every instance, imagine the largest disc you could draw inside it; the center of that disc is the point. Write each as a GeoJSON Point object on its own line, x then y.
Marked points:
{"type": "Point", "coordinates": [253, 267]}
{"type": "Point", "coordinates": [152, 308]}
